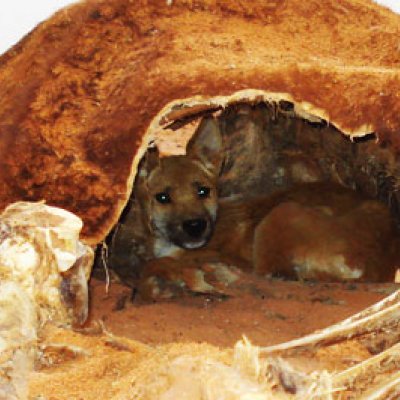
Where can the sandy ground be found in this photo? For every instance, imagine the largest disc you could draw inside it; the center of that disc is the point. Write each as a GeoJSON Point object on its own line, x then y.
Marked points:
{"type": "Point", "coordinates": [267, 312]}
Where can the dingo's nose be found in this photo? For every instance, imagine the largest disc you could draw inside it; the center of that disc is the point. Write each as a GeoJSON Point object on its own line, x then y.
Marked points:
{"type": "Point", "coordinates": [194, 227]}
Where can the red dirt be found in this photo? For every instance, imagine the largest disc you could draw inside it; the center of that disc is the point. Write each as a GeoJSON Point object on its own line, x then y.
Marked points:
{"type": "Point", "coordinates": [112, 367]}
{"type": "Point", "coordinates": [267, 312]}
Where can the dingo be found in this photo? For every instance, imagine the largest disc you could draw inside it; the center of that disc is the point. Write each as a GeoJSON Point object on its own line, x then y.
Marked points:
{"type": "Point", "coordinates": [312, 231]}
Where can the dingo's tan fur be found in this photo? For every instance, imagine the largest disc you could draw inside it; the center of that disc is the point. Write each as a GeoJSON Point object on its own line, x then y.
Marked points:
{"type": "Point", "coordinates": [312, 231]}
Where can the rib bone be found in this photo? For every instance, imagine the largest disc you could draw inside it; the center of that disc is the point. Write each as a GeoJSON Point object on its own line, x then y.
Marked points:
{"type": "Point", "coordinates": [382, 316]}
{"type": "Point", "coordinates": [360, 377]}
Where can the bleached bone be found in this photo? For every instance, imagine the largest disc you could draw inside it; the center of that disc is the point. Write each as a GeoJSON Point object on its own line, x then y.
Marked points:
{"type": "Point", "coordinates": [41, 252]}
{"type": "Point", "coordinates": [357, 380]}
{"type": "Point", "coordinates": [284, 381]}
{"type": "Point", "coordinates": [382, 315]}
{"type": "Point", "coordinates": [389, 389]}
{"type": "Point", "coordinates": [378, 319]}
{"type": "Point", "coordinates": [17, 339]}
{"type": "Point", "coordinates": [359, 377]}
{"type": "Point", "coordinates": [44, 270]}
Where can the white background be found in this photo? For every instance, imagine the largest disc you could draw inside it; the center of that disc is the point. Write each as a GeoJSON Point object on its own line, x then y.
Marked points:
{"type": "Point", "coordinates": [18, 17]}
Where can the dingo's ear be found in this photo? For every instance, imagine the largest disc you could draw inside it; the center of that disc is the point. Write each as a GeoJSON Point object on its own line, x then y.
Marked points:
{"type": "Point", "coordinates": [150, 161]}
{"type": "Point", "coordinates": [206, 144]}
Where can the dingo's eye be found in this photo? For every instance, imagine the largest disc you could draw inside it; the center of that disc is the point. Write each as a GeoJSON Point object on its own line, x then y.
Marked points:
{"type": "Point", "coordinates": [203, 192]}
{"type": "Point", "coordinates": [163, 197]}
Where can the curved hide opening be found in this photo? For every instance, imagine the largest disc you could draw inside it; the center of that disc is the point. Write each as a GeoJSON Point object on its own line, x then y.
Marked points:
{"type": "Point", "coordinates": [271, 143]}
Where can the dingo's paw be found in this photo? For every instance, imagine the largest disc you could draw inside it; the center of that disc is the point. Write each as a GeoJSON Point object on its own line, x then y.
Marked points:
{"type": "Point", "coordinates": [165, 278]}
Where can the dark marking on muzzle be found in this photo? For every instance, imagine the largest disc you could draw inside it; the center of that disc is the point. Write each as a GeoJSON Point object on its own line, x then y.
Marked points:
{"type": "Point", "coordinates": [195, 228]}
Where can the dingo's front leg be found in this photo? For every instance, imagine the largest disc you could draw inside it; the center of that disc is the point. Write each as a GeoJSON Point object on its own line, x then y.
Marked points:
{"type": "Point", "coordinates": [169, 277]}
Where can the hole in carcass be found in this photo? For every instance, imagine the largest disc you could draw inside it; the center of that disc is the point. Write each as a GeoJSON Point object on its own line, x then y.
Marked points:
{"type": "Point", "coordinates": [268, 148]}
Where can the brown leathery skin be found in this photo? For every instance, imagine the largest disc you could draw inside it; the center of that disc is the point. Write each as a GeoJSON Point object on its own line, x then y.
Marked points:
{"type": "Point", "coordinates": [78, 94]}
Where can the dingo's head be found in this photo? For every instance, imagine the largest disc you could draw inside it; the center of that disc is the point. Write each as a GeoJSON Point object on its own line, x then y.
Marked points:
{"type": "Point", "coordinates": [178, 193]}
